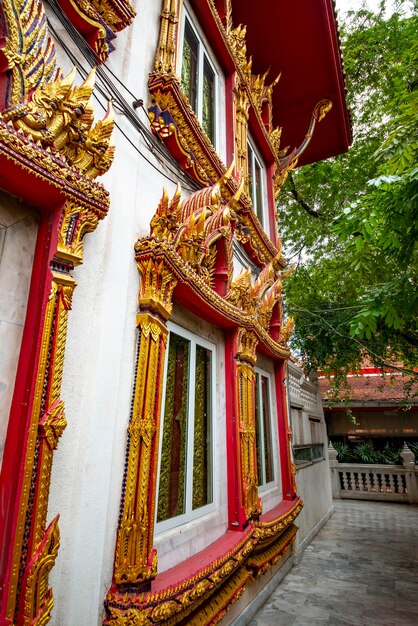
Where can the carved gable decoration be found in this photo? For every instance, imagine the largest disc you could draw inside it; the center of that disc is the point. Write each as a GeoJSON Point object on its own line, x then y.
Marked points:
{"type": "Point", "coordinates": [99, 21]}
{"type": "Point", "coordinates": [194, 237]}
{"type": "Point", "coordinates": [27, 54]}
{"type": "Point", "coordinates": [50, 112]}
{"type": "Point", "coordinates": [173, 119]}
{"type": "Point", "coordinates": [199, 229]}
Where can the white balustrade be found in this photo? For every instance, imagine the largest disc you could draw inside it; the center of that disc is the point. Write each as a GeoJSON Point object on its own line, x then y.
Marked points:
{"type": "Point", "coordinates": [363, 481]}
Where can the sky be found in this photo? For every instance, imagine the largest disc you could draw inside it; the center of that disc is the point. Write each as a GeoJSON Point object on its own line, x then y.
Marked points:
{"type": "Point", "coordinates": [346, 5]}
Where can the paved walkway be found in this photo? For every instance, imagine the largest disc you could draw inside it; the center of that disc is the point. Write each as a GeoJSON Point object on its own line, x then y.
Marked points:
{"type": "Point", "coordinates": [361, 569]}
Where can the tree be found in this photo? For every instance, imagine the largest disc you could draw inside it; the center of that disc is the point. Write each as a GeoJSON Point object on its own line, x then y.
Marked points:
{"type": "Point", "coordinates": [350, 222]}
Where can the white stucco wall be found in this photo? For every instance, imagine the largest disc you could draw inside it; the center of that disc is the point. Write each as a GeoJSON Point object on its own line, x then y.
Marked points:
{"type": "Point", "coordinates": [18, 232]}
{"type": "Point", "coordinates": [99, 361]}
{"type": "Point", "coordinates": [313, 479]}
{"type": "Point", "coordinates": [314, 487]}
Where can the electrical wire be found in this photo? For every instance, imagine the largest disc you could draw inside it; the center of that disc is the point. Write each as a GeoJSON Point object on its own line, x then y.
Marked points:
{"type": "Point", "coordinates": [341, 308]}
{"type": "Point", "coordinates": [403, 370]}
{"type": "Point", "coordinates": [83, 74]}
{"type": "Point", "coordinates": [108, 90]}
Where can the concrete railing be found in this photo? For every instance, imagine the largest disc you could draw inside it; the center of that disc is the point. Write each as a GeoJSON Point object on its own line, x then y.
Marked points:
{"type": "Point", "coordinates": [364, 481]}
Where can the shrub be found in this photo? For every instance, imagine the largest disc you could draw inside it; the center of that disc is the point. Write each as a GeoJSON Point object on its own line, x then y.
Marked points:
{"type": "Point", "coordinates": [344, 453]}
{"type": "Point", "coordinates": [365, 453]}
{"type": "Point", "coordinates": [391, 456]}
{"type": "Point", "coordinates": [413, 446]}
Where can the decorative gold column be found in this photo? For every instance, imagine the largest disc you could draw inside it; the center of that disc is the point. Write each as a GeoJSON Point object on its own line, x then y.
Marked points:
{"type": "Point", "coordinates": [136, 559]}
{"type": "Point", "coordinates": [242, 106]}
{"type": "Point", "coordinates": [165, 60]}
{"type": "Point", "coordinates": [47, 424]}
{"type": "Point", "coordinates": [237, 41]}
{"type": "Point", "coordinates": [247, 344]}
{"type": "Point", "coordinates": [53, 421]}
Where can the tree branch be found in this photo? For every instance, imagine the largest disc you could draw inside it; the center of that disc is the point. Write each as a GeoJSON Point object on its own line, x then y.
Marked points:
{"type": "Point", "coordinates": [299, 198]}
{"type": "Point", "coordinates": [413, 341]}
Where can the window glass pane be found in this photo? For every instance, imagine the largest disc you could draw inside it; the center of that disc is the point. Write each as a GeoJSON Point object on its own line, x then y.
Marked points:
{"type": "Point", "coordinates": [257, 192]}
{"type": "Point", "coordinates": [251, 172]}
{"type": "Point", "coordinates": [189, 65]}
{"type": "Point", "coordinates": [171, 495]}
{"type": "Point", "coordinates": [202, 452]}
{"type": "Point", "coordinates": [258, 435]}
{"type": "Point", "coordinates": [208, 114]}
{"type": "Point", "coordinates": [268, 448]}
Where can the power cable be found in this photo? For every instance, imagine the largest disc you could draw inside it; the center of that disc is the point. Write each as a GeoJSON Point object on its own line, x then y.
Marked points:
{"type": "Point", "coordinates": [403, 370]}
{"type": "Point", "coordinates": [84, 74]}
{"type": "Point", "coordinates": [105, 86]}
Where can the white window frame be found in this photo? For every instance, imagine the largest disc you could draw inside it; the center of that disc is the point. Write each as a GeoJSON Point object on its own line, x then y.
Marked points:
{"type": "Point", "coordinates": [255, 158]}
{"type": "Point", "coordinates": [204, 53]}
{"type": "Point", "coordinates": [190, 514]}
{"type": "Point", "coordinates": [264, 487]}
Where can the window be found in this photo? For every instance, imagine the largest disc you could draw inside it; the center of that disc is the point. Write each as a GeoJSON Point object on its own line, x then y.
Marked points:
{"type": "Point", "coordinates": [198, 78]}
{"type": "Point", "coordinates": [186, 447]}
{"type": "Point", "coordinates": [316, 430]}
{"type": "Point", "coordinates": [256, 176]}
{"type": "Point", "coordinates": [263, 425]}
{"type": "Point", "coordinates": [308, 437]}
{"type": "Point", "coordinates": [242, 261]}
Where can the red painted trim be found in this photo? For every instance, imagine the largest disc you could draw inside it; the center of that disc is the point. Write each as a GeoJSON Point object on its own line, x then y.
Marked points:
{"type": "Point", "coordinates": [286, 470]}
{"type": "Point", "coordinates": [338, 70]}
{"type": "Point", "coordinates": [167, 584]}
{"type": "Point", "coordinates": [91, 32]}
{"type": "Point", "coordinates": [203, 559]}
{"type": "Point", "coordinates": [188, 298]}
{"type": "Point", "coordinates": [299, 41]}
{"type": "Point", "coordinates": [281, 509]}
{"type": "Point", "coordinates": [257, 132]}
{"type": "Point", "coordinates": [12, 474]}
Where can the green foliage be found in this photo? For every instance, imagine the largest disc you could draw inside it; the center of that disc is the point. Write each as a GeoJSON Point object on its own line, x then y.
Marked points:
{"type": "Point", "coordinates": [344, 453]}
{"type": "Point", "coordinates": [366, 453]}
{"type": "Point", "coordinates": [413, 446]}
{"type": "Point", "coordinates": [354, 292]}
{"type": "Point", "coordinates": [390, 455]}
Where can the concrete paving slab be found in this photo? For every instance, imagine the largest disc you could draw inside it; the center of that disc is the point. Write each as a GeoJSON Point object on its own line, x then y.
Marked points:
{"type": "Point", "coordinates": [360, 570]}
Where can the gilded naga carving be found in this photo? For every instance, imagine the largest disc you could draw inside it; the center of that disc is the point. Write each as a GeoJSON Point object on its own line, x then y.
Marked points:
{"type": "Point", "coordinates": [286, 162]}
{"type": "Point", "coordinates": [60, 117]}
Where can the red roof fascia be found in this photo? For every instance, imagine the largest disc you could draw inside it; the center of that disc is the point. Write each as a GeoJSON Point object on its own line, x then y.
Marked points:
{"type": "Point", "coordinates": [300, 41]}
{"type": "Point", "coordinates": [373, 388]}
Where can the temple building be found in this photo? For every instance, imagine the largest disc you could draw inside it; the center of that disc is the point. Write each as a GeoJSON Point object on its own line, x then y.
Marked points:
{"type": "Point", "coordinates": [378, 405]}
{"type": "Point", "coordinates": [147, 475]}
